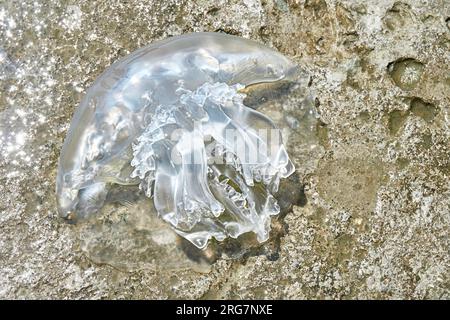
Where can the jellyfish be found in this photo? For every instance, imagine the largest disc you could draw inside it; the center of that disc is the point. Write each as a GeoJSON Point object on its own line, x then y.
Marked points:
{"type": "Point", "coordinates": [170, 118]}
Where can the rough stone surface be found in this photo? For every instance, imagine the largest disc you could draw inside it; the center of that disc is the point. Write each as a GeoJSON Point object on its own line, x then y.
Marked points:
{"type": "Point", "coordinates": [375, 223]}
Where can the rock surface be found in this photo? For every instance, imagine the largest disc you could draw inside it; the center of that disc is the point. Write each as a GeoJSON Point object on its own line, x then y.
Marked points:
{"type": "Point", "coordinates": [374, 221]}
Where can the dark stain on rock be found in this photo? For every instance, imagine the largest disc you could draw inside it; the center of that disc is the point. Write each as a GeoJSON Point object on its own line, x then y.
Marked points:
{"type": "Point", "coordinates": [317, 6]}
{"type": "Point", "coordinates": [291, 193]}
{"type": "Point", "coordinates": [364, 116]}
{"type": "Point", "coordinates": [193, 253]}
{"type": "Point", "coordinates": [445, 168]}
{"type": "Point", "coordinates": [417, 107]}
{"type": "Point", "coordinates": [397, 16]}
{"type": "Point", "coordinates": [229, 30]}
{"type": "Point", "coordinates": [323, 134]}
{"type": "Point", "coordinates": [426, 141]}
{"type": "Point", "coordinates": [402, 163]}
{"type": "Point", "coordinates": [350, 39]}
{"type": "Point", "coordinates": [396, 120]}
{"type": "Point", "coordinates": [426, 111]}
{"type": "Point", "coordinates": [213, 10]}
{"type": "Point", "coordinates": [264, 33]}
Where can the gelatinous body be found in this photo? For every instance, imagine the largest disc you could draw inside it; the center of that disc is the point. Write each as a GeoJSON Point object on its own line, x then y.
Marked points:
{"type": "Point", "coordinates": [170, 118]}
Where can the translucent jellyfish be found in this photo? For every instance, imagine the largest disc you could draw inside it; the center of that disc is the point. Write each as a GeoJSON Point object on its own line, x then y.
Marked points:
{"type": "Point", "coordinates": [171, 119]}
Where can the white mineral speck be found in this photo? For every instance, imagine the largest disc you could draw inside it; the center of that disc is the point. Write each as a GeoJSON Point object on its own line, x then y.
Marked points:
{"type": "Point", "coordinates": [20, 138]}
{"type": "Point", "coordinates": [73, 18]}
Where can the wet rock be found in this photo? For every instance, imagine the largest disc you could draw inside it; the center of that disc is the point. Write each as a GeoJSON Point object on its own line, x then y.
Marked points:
{"type": "Point", "coordinates": [370, 219]}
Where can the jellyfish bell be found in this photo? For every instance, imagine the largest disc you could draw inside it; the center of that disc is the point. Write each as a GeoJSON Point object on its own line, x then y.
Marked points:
{"type": "Point", "coordinates": [194, 84]}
